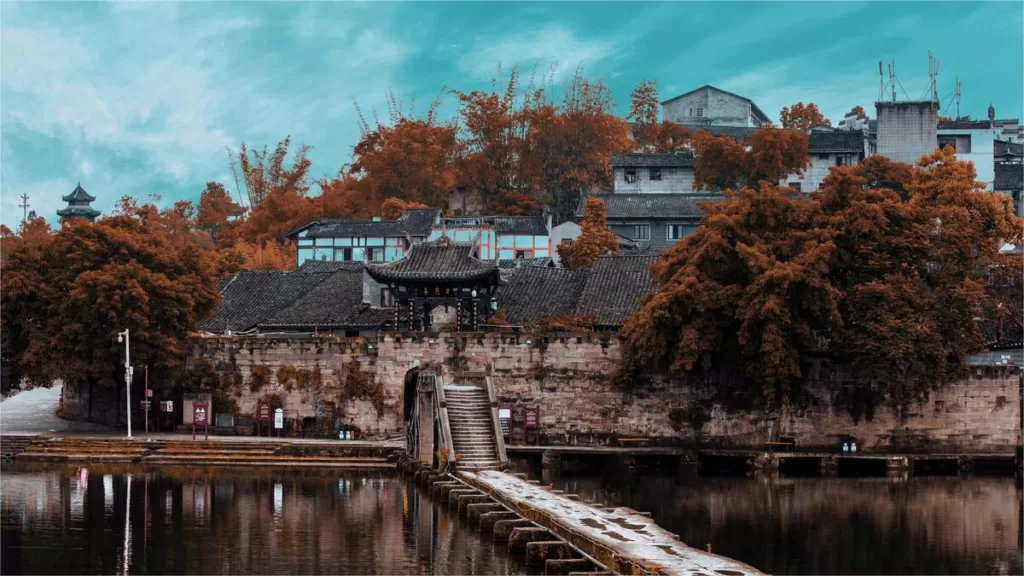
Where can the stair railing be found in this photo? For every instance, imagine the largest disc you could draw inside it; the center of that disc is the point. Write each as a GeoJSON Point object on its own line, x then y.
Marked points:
{"type": "Point", "coordinates": [499, 440]}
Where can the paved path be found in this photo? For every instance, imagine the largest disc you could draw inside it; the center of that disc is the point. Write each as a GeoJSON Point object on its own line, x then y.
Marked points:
{"type": "Point", "coordinates": [34, 412]}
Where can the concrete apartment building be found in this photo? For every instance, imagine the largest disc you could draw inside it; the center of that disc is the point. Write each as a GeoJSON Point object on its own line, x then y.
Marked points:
{"type": "Point", "coordinates": [906, 130]}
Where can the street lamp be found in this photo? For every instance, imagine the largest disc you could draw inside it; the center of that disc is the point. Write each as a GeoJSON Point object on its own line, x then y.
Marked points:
{"type": "Point", "coordinates": [124, 337]}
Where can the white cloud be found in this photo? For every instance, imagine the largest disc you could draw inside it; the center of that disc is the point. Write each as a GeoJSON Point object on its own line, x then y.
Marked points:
{"type": "Point", "coordinates": [552, 43]}
{"type": "Point", "coordinates": [86, 168]}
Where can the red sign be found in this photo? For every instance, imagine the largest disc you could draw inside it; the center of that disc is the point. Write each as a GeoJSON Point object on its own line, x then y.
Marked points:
{"type": "Point", "coordinates": [532, 417]}
{"type": "Point", "coordinates": [264, 412]}
{"type": "Point", "coordinates": [149, 392]}
{"type": "Point", "coordinates": [200, 417]}
{"type": "Point", "coordinates": [199, 414]}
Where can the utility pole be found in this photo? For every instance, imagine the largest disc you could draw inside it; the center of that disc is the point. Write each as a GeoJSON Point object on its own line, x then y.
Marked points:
{"type": "Point", "coordinates": [127, 376]}
{"type": "Point", "coordinates": [147, 402]}
{"type": "Point", "coordinates": [958, 97]}
{"type": "Point", "coordinates": [24, 208]}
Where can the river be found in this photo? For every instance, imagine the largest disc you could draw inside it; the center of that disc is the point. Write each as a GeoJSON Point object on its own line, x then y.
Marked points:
{"type": "Point", "coordinates": [72, 520]}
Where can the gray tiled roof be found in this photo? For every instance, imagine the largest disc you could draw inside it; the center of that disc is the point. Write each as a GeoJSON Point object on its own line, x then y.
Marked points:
{"type": "Point", "coordinates": [1004, 148]}
{"type": "Point", "coordinates": [1008, 176]}
{"type": "Point", "coordinates": [78, 195]}
{"type": "Point", "coordinates": [252, 296]}
{"type": "Point", "coordinates": [738, 133]}
{"type": "Point", "coordinates": [837, 141]}
{"type": "Point", "coordinates": [524, 225]}
{"type": "Point", "coordinates": [625, 206]}
{"type": "Point", "coordinates": [615, 286]}
{"type": "Point", "coordinates": [533, 293]}
{"type": "Point", "coordinates": [541, 262]}
{"type": "Point", "coordinates": [337, 301]}
{"type": "Point", "coordinates": [441, 259]}
{"type": "Point", "coordinates": [82, 211]}
{"type": "Point", "coordinates": [678, 160]}
{"type": "Point", "coordinates": [965, 125]}
{"type": "Point", "coordinates": [415, 222]}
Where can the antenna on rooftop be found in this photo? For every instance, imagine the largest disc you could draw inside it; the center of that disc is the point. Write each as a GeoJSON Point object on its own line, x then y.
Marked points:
{"type": "Point", "coordinates": [892, 77]}
{"type": "Point", "coordinates": [958, 97]}
{"type": "Point", "coordinates": [933, 75]}
{"type": "Point", "coordinates": [881, 82]}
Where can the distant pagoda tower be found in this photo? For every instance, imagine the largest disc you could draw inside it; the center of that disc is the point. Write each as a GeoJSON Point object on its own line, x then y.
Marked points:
{"type": "Point", "coordinates": [78, 205]}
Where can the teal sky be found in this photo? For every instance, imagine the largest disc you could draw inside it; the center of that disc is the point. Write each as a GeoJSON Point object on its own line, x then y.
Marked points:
{"type": "Point", "coordinates": [142, 98]}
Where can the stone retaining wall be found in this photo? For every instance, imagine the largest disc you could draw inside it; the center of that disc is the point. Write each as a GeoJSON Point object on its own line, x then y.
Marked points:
{"type": "Point", "coordinates": [568, 376]}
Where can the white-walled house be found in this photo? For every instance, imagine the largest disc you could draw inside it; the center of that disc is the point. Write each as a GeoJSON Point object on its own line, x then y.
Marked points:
{"type": "Point", "coordinates": [973, 140]}
{"type": "Point", "coordinates": [710, 106]}
{"type": "Point", "coordinates": [827, 148]}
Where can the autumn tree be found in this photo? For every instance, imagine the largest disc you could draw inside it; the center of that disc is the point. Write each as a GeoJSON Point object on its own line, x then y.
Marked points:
{"type": "Point", "coordinates": [394, 208]}
{"type": "Point", "coordinates": [34, 231]}
{"type": "Point", "coordinates": [856, 110]}
{"type": "Point", "coordinates": [414, 160]}
{"type": "Point", "coordinates": [595, 239]}
{"type": "Point", "coordinates": [723, 163]}
{"type": "Point", "coordinates": [801, 117]}
{"type": "Point", "coordinates": [944, 119]}
{"type": "Point", "coordinates": [64, 303]}
{"type": "Point", "coordinates": [748, 289]}
{"type": "Point", "coordinates": [887, 284]}
{"type": "Point", "coordinates": [265, 171]}
{"type": "Point", "coordinates": [643, 110]}
{"type": "Point", "coordinates": [880, 172]}
{"type": "Point", "coordinates": [214, 210]}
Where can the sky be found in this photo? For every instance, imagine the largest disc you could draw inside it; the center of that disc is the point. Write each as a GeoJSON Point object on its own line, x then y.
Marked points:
{"type": "Point", "coordinates": [133, 98]}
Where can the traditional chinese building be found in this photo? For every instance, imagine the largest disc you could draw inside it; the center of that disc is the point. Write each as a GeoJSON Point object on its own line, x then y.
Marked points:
{"type": "Point", "coordinates": [439, 284]}
{"type": "Point", "coordinates": [78, 205]}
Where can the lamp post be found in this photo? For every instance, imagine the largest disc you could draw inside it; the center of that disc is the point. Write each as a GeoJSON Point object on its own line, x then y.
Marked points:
{"type": "Point", "coordinates": [124, 337]}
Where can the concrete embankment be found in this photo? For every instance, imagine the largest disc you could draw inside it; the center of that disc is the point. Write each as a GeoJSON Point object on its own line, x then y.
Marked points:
{"type": "Point", "coordinates": [186, 452]}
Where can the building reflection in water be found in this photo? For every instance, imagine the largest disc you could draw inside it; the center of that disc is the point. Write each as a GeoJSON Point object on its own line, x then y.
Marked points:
{"type": "Point", "coordinates": [62, 520]}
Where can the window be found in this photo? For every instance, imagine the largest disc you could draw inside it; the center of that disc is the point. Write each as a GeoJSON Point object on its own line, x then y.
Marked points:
{"type": "Point", "coordinates": [520, 254]}
{"type": "Point", "coordinates": [822, 156]}
{"type": "Point", "coordinates": [630, 175]}
{"type": "Point", "coordinates": [342, 254]}
{"type": "Point", "coordinates": [642, 232]}
{"type": "Point", "coordinates": [376, 254]}
{"type": "Point", "coordinates": [700, 112]}
{"type": "Point", "coordinates": [677, 231]}
{"type": "Point", "coordinates": [691, 112]}
{"type": "Point", "coordinates": [655, 173]}
{"type": "Point", "coordinates": [839, 159]}
{"type": "Point", "coordinates": [795, 186]}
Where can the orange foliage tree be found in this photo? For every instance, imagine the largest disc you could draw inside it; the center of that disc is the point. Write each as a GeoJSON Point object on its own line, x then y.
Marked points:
{"type": "Point", "coordinates": [856, 110]}
{"type": "Point", "coordinates": [414, 160]}
{"type": "Point", "coordinates": [650, 136]}
{"type": "Point", "coordinates": [393, 208]}
{"type": "Point", "coordinates": [266, 172]}
{"type": "Point", "coordinates": [888, 285]}
{"type": "Point", "coordinates": [65, 301]}
{"type": "Point", "coordinates": [595, 238]}
{"type": "Point", "coordinates": [801, 117]}
{"type": "Point", "coordinates": [723, 163]}
{"type": "Point", "coordinates": [214, 210]}
{"type": "Point", "coordinates": [32, 232]}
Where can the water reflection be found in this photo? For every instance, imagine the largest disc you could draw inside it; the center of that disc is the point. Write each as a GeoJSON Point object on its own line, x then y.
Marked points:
{"type": "Point", "coordinates": [897, 524]}
{"type": "Point", "coordinates": [58, 520]}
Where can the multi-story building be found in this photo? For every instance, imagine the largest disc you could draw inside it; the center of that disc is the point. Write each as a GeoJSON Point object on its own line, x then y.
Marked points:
{"type": "Point", "coordinates": [710, 106]}
{"type": "Point", "coordinates": [378, 240]}
{"type": "Point", "coordinates": [906, 130]}
{"type": "Point", "coordinates": [973, 141]}
{"type": "Point", "coordinates": [652, 221]}
{"type": "Point", "coordinates": [653, 173]}
{"type": "Point", "coordinates": [827, 148]}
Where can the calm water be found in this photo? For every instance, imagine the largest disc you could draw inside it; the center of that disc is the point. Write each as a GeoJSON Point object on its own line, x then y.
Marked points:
{"type": "Point", "coordinates": [894, 525]}
{"type": "Point", "coordinates": [61, 520]}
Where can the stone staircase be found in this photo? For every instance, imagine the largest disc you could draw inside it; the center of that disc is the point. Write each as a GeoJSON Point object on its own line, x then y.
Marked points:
{"type": "Point", "coordinates": [472, 427]}
{"type": "Point", "coordinates": [12, 445]}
